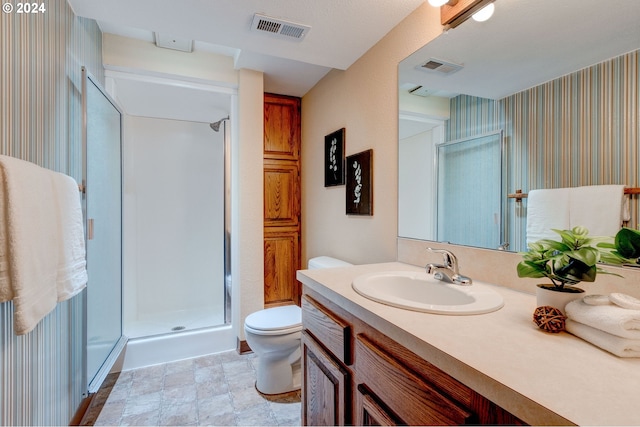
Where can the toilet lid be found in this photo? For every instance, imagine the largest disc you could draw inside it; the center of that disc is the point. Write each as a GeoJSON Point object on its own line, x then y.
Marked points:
{"type": "Point", "coordinates": [275, 319]}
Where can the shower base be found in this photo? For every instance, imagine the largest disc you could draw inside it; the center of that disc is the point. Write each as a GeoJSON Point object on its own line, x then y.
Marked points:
{"type": "Point", "coordinates": [170, 322]}
{"type": "Point", "coordinates": [171, 347]}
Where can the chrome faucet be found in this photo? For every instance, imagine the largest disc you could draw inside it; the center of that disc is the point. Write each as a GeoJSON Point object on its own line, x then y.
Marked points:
{"type": "Point", "coordinates": [447, 272]}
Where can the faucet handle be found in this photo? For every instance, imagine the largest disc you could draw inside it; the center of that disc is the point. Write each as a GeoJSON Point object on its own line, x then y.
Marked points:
{"type": "Point", "coordinates": [450, 259]}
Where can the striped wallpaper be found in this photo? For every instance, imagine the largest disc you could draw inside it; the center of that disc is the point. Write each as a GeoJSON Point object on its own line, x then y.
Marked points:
{"type": "Point", "coordinates": [580, 129]}
{"type": "Point", "coordinates": [41, 373]}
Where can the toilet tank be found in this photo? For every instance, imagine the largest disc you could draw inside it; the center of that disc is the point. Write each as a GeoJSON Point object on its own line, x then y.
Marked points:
{"type": "Point", "coordinates": [326, 262]}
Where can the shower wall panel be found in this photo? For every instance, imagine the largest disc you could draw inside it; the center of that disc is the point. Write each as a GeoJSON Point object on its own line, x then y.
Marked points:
{"type": "Point", "coordinates": [174, 226]}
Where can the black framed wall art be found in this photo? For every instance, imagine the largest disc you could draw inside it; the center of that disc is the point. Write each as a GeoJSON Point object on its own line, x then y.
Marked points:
{"type": "Point", "coordinates": [334, 158]}
{"type": "Point", "coordinates": [359, 188]}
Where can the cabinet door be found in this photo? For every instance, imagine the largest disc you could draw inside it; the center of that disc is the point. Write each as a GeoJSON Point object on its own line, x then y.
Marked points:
{"type": "Point", "coordinates": [281, 260]}
{"type": "Point", "coordinates": [370, 412]}
{"type": "Point", "coordinates": [324, 387]}
{"type": "Point", "coordinates": [281, 194]}
{"type": "Point", "coordinates": [281, 127]}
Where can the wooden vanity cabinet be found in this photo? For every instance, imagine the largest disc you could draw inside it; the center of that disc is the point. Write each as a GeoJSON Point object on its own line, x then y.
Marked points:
{"type": "Point", "coordinates": [353, 374]}
{"type": "Point", "coordinates": [400, 393]}
{"type": "Point", "coordinates": [326, 386]}
{"type": "Point", "coordinates": [327, 378]}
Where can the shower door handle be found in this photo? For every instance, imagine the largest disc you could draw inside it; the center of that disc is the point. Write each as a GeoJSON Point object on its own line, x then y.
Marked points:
{"type": "Point", "coordinates": [90, 229]}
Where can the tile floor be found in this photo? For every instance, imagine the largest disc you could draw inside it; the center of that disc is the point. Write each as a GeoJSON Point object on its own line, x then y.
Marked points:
{"type": "Point", "coordinates": [217, 389]}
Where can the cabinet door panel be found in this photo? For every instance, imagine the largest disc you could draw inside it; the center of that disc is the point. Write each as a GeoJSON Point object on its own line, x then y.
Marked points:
{"type": "Point", "coordinates": [281, 260]}
{"type": "Point", "coordinates": [281, 127]}
{"type": "Point", "coordinates": [370, 412]}
{"type": "Point", "coordinates": [281, 194]}
{"type": "Point", "coordinates": [324, 387]}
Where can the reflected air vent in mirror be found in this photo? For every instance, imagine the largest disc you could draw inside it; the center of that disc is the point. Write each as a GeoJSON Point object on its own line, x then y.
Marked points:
{"type": "Point", "coordinates": [278, 27]}
{"type": "Point", "coordinates": [420, 91]}
{"type": "Point", "coordinates": [439, 66]}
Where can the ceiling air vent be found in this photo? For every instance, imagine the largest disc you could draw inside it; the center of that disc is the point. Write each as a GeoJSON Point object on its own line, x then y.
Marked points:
{"type": "Point", "coordinates": [278, 27]}
{"type": "Point", "coordinates": [439, 66]}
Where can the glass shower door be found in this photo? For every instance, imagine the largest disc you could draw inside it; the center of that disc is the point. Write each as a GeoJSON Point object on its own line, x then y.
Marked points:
{"type": "Point", "coordinates": [103, 189]}
{"type": "Point", "coordinates": [470, 191]}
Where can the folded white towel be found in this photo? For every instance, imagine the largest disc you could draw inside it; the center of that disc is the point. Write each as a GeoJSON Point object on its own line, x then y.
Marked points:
{"type": "Point", "coordinates": [72, 272]}
{"type": "Point", "coordinates": [599, 208]}
{"type": "Point", "coordinates": [622, 347]}
{"type": "Point", "coordinates": [626, 210]}
{"type": "Point", "coordinates": [31, 241]}
{"type": "Point", "coordinates": [547, 209]}
{"type": "Point", "coordinates": [6, 289]}
{"type": "Point", "coordinates": [608, 318]}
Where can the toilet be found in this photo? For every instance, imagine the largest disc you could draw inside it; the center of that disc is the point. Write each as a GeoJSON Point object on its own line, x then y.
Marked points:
{"type": "Point", "coordinates": [274, 336]}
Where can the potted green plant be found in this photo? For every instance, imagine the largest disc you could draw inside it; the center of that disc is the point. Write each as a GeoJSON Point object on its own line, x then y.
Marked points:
{"type": "Point", "coordinates": [567, 262]}
{"type": "Point", "coordinates": [625, 248]}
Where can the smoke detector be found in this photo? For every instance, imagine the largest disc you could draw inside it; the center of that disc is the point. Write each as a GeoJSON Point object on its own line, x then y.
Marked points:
{"type": "Point", "coordinates": [439, 66]}
{"type": "Point", "coordinates": [279, 27]}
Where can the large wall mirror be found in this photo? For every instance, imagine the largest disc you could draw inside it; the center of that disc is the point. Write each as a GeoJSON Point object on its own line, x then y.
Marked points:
{"type": "Point", "coordinates": [554, 84]}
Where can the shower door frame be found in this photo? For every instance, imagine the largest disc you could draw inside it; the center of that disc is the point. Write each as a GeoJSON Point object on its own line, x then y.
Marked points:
{"type": "Point", "coordinates": [92, 385]}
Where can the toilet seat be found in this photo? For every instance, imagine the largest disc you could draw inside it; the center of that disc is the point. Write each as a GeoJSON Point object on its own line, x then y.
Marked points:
{"type": "Point", "coordinates": [275, 321]}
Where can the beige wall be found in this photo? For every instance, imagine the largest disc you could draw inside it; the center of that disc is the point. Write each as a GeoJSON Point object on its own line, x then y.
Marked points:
{"type": "Point", "coordinates": [247, 201]}
{"type": "Point", "coordinates": [364, 100]}
{"type": "Point", "coordinates": [123, 53]}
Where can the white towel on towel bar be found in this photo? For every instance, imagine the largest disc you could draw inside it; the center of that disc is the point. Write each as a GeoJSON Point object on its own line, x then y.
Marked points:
{"type": "Point", "coordinates": [547, 209]}
{"type": "Point", "coordinates": [72, 272]}
{"type": "Point", "coordinates": [599, 208]}
{"type": "Point", "coordinates": [30, 242]}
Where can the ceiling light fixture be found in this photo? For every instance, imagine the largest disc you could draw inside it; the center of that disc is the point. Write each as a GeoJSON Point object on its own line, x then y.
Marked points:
{"type": "Point", "coordinates": [484, 13]}
{"type": "Point", "coordinates": [454, 12]}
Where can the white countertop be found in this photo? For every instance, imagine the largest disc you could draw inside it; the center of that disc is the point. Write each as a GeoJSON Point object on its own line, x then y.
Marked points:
{"type": "Point", "coordinates": [542, 378]}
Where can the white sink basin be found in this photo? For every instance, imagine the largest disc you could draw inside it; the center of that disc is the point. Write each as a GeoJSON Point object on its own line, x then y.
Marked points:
{"type": "Point", "coordinates": [419, 291]}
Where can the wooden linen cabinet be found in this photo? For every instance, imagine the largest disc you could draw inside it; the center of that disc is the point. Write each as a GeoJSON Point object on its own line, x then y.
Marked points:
{"type": "Point", "coordinates": [281, 199]}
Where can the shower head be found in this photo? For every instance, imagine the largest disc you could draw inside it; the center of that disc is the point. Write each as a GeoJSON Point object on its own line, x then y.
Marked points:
{"type": "Point", "coordinates": [216, 125]}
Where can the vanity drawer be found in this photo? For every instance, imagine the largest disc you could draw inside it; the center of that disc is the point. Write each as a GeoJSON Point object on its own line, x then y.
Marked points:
{"type": "Point", "coordinates": [400, 394]}
{"type": "Point", "coordinates": [329, 329]}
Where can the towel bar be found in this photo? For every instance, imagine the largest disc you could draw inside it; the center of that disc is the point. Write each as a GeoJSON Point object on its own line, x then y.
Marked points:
{"type": "Point", "coordinates": [519, 195]}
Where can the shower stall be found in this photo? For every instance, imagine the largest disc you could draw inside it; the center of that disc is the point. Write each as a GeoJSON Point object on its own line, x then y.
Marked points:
{"type": "Point", "coordinates": [179, 227]}
{"type": "Point", "coordinates": [176, 221]}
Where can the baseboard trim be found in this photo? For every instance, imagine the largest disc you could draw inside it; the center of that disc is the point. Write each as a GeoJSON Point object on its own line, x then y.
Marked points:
{"type": "Point", "coordinates": [78, 417]}
{"type": "Point", "coordinates": [242, 347]}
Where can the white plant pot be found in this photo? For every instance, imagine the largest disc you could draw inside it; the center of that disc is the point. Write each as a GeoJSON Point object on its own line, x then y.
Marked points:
{"type": "Point", "coordinates": [557, 299]}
